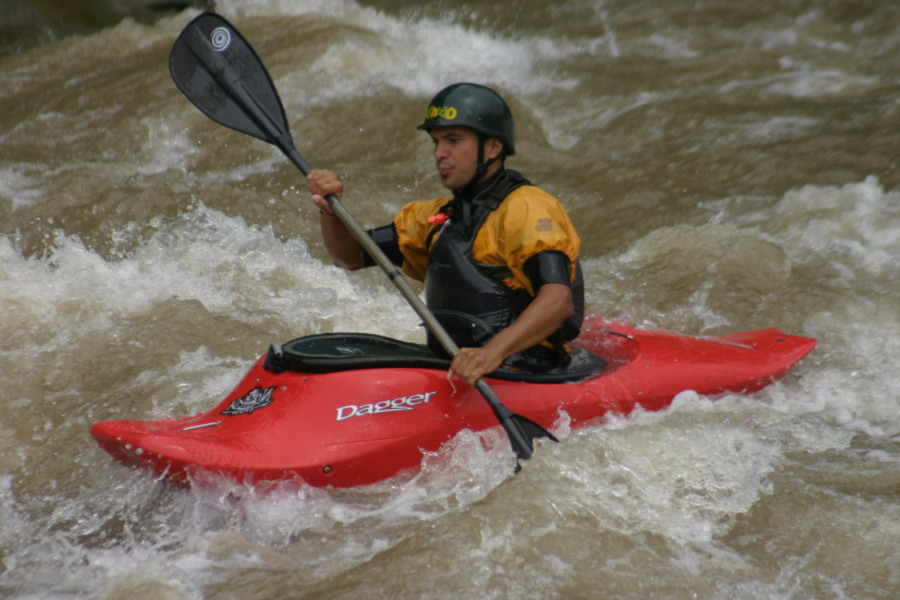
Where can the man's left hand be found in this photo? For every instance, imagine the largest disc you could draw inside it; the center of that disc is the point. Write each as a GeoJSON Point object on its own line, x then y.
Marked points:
{"type": "Point", "coordinates": [472, 363]}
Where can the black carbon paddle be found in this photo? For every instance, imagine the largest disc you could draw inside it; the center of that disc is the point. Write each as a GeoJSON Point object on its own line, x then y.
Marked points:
{"type": "Point", "coordinates": [215, 67]}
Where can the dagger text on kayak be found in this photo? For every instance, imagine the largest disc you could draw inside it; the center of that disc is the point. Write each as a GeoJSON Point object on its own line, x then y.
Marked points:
{"type": "Point", "coordinates": [395, 405]}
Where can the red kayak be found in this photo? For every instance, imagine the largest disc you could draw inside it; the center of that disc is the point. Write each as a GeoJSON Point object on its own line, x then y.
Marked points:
{"type": "Point", "coordinates": [352, 409]}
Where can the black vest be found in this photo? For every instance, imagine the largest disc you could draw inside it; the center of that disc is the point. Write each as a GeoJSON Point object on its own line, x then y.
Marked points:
{"type": "Point", "coordinates": [469, 299]}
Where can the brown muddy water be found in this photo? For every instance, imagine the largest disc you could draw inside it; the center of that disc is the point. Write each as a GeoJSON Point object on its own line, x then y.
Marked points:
{"type": "Point", "coordinates": [729, 166]}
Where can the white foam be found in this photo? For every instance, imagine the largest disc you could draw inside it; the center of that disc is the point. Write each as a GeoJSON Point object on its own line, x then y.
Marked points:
{"type": "Point", "coordinates": [417, 57]}
{"type": "Point", "coordinates": [856, 225]}
{"type": "Point", "coordinates": [204, 255]}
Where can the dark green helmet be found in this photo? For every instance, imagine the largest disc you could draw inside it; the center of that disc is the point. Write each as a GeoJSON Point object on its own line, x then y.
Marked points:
{"type": "Point", "coordinates": [473, 106]}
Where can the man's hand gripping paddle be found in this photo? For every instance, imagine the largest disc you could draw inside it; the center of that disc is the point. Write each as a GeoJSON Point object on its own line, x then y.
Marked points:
{"type": "Point", "coordinates": [215, 67]}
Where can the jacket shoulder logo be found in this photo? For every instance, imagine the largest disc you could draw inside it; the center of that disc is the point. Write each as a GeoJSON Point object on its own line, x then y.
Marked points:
{"type": "Point", "coordinates": [254, 400]}
{"type": "Point", "coordinates": [544, 225]}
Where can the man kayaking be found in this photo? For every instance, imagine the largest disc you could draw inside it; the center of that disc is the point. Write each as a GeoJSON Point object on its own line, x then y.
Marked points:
{"type": "Point", "coordinates": [499, 258]}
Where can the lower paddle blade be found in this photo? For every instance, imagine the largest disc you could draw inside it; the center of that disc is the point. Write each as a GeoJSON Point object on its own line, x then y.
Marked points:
{"type": "Point", "coordinates": [522, 432]}
{"type": "Point", "coordinates": [215, 67]}
{"type": "Point", "coordinates": [533, 430]}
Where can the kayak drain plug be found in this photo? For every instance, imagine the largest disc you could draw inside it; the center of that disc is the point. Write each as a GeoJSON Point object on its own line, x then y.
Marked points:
{"type": "Point", "coordinates": [326, 469]}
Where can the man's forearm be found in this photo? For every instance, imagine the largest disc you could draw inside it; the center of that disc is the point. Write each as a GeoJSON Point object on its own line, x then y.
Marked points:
{"type": "Point", "coordinates": [552, 305]}
{"type": "Point", "coordinates": [340, 243]}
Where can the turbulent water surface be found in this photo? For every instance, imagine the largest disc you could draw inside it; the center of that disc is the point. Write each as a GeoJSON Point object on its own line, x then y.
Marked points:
{"type": "Point", "coordinates": [729, 166]}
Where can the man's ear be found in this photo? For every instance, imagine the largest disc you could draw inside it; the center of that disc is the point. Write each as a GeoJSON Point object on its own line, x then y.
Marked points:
{"type": "Point", "coordinates": [492, 148]}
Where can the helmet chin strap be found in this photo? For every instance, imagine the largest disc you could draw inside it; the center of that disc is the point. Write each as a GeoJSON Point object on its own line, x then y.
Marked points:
{"type": "Point", "coordinates": [480, 170]}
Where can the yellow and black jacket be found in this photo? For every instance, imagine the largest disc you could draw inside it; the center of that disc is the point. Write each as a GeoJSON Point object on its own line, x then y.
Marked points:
{"type": "Point", "coordinates": [483, 256]}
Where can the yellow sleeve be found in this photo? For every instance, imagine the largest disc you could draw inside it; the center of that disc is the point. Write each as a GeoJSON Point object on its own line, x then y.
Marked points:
{"type": "Point", "coordinates": [528, 221]}
{"type": "Point", "coordinates": [413, 230]}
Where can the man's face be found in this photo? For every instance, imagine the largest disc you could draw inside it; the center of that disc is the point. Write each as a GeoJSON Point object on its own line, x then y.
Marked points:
{"type": "Point", "coordinates": [455, 155]}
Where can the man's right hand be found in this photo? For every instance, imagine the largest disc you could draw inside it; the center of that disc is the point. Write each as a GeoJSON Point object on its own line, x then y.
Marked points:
{"type": "Point", "coordinates": [321, 183]}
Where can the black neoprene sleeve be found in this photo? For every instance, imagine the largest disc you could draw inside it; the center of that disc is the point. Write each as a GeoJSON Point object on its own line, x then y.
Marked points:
{"type": "Point", "coordinates": [548, 266]}
{"type": "Point", "coordinates": [386, 238]}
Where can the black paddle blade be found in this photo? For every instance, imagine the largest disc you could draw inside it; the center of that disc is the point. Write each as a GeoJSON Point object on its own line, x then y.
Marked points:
{"type": "Point", "coordinates": [533, 430]}
{"type": "Point", "coordinates": [215, 67]}
{"type": "Point", "coordinates": [522, 432]}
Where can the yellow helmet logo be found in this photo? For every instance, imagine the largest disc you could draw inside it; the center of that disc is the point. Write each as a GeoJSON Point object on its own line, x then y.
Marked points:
{"type": "Point", "coordinates": [444, 112]}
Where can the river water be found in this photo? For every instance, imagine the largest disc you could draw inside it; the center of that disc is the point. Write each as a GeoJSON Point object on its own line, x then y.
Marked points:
{"type": "Point", "coordinates": [729, 166]}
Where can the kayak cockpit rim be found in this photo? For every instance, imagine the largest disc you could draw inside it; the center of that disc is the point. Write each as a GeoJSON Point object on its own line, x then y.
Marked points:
{"type": "Point", "coordinates": [332, 352]}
